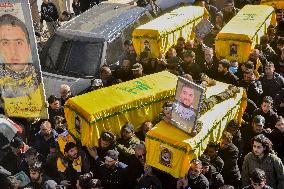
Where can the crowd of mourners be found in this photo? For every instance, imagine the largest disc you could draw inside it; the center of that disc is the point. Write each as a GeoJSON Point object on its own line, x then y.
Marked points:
{"type": "Point", "coordinates": [249, 155]}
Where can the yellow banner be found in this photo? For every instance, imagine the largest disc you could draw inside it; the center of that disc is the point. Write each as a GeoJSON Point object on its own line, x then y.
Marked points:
{"type": "Point", "coordinates": [21, 84]}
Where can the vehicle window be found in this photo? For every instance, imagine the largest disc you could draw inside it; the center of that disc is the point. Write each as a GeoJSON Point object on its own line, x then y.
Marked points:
{"type": "Point", "coordinates": [114, 50]}
{"type": "Point", "coordinates": [84, 59]}
{"type": "Point", "coordinates": [50, 60]}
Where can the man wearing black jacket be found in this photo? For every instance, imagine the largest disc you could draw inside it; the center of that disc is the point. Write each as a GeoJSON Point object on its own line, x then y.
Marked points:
{"type": "Point", "coordinates": [195, 178]}
{"type": "Point", "coordinates": [49, 14]}
{"type": "Point", "coordinates": [229, 153]}
{"type": "Point", "coordinates": [226, 76]}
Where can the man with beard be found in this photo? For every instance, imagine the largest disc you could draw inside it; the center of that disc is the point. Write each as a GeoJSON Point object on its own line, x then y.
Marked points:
{"type": "Point", "coordinates": [30, 157]}
{"type": "Point", "coordinates": [209, 66]}
{"type": "Point", "coordinates": [38, 177]}
{"type": "Point", "coordinates": [263, 157]}
{"type": "Point", "coordinates": [135, 165]}
{"type": "Point", "coordinates": [189, 65]}
{"type": "Point", "coordinates": [124, 72]}
{"type": "Point", "coordinates": [253, 87]}
{"type": "Point", "coordinates": [209, 171]}
{"type": "Point", "coordinates": [54, 108]}
{"type": "Point", "coordinates": [44, 138]}
{"type": "Point", "coordinates": [180, 47]}
{"type": "Point", "coordinates": [127, 142]}
{"type": "Point", "coordinates": [224, 74]}
{"type": "Point", "coordinates": [71, 165]}
{"type": "Point", "coordinates": [277, 138]}
{"type": "Point", "coordinates": [184, 107]}
{"type": "Point", "coordinates": [18, 75]}
{"type": "Point", "coordinates": [250, 131]}
{"type": "Point", "coordinates": [230, 153]}
{"type": "Point", "coordinates": [195, 178]}
{"type": "Point", "coordinates": [229, 10]}
{"type": "Point", "coordinates": [137, 71]}
{"type": "Point", "coordinates": [272, 82]}
{"type": "Point", "coordinates": [112, 173]}
{"type": "Point", "coordinates": [267, 112]}
{"type": "Point", "coordinates": [107, 77]}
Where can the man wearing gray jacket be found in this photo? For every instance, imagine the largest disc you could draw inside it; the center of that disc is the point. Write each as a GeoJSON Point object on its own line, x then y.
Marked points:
{"type": "Point", "coordinates": [263, 157]}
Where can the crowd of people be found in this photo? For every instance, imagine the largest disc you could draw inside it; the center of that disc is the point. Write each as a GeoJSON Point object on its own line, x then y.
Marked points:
{"type": "Point", "coordinates": [249, 155]}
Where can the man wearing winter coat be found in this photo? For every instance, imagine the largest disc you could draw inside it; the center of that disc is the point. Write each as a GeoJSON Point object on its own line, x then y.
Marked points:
{"type": "Point", "coordinates": [263, 157]}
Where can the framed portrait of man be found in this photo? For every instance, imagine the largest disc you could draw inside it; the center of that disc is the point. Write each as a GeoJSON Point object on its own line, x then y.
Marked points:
{"type": "Point", "coordinates": [21, 85]}
{"type": "Point", "coordinates": [186, 105]}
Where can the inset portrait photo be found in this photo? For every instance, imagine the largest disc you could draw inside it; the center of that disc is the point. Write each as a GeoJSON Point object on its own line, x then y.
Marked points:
{"type": "Point", "coordinates": [186, 105]}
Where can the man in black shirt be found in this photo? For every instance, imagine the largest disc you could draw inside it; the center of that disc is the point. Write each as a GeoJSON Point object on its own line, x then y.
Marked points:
{"type": "Point", "coordinates": [49, 14]}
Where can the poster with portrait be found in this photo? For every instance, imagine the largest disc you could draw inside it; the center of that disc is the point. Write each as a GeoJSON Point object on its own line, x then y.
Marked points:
{"type": "Point", "coordinates": [186, 105]}
{"type": "Point", "coordinates": [203, 28]}
{"type": "Point", "coordinates": [21, 85]}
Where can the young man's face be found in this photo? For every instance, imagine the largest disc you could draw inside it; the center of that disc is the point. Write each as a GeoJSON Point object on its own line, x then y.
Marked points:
{"type": "Point", "coordinates": [269, 70]}
{"type": "Point", "coordinates": [257, 128]}
{"type": "Point", "coordinates": [265, 106]}
{"type": "Point", "coordinates": [187, 96]}
{"type": "Point", "coordinates": [55, 105]}
{"type": "Point", "coordinates": [280, 125]}
{"type": "Point", "coordinates": [126, 135]}
{"type": "Point", "coordinates": [14, 47]}
{"type": "Point", "coordinates": [73, 153]}
{"type": "Point", "coordinates": [211, 152]}
{"type": "Point", "coordinates": [257, 148]}
{"type": "Point", "coordinates": [258, 185]}
{"type": "Point", "coordinates": [104, 144]}
{"type": "Point", "coordinates": [45, 128]}
{"type": "Point", "coordinates": [208, 54]}
{"type": "Point", "coordinates": [125, 65]}
{"type": "Point", "coordinates": [35, 176]}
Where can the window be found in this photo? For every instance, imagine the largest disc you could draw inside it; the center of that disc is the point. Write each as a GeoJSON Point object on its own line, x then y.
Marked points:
{"type": "Point", "coordinates": [84, 59]}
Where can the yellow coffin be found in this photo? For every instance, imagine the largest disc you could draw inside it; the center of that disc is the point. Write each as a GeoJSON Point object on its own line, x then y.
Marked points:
{"type": "Point", "coordinates": [239, 36]}
{"type": "Point", "coordinates": [183, 148]}
{"type": "Point", "coordinates": [108, 109]}
{"type": "Point", "coordinates": [162, 33]}
{"type": "Point", "coordinates": [277, 4]}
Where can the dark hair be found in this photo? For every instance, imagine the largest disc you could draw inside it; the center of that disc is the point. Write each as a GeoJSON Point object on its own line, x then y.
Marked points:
{"type": "Point", "coordinates": [85, 179]}
{"type": "Point", "coordinates": [8, 19]}
{"type": "Point", "coordinates": [258, 175]}
{"type": "Point", "coordinates": [109, 137]}
{"type": "Point", "coordinates": [234, 124]}
{"type": "Point", "coordinates": [266, 143]}
{"type": "Point", "coordinates": [127, 42]}
{"type": "Point", "coordinates": [225, 63]}
{"type": "Point", "coordinates": [267, 99]}
{"type": "Point", "coordinates": [269, 64]}
{"type": "Point", "coordinates": [36, 167]}
{"type": "Point", "coordinates": [214, 145]}
{"type": "Point", "coordinates": [249, 65]}
{"type": "Point", "coordinates": [52, 98]}
{"type": "Point", "coordinates": [227, 136]}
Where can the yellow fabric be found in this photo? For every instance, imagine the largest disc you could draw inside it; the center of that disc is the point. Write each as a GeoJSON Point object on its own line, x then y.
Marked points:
{"type": "Point", "coordinates": [32, 106]}
{"type": "Point", "coordinates": [77, 165]}
{"type": "Point", "coordinates": [244, 30]}
{"type": "Point", "coordinates": [163, 32]}
{"type": "Point", "coordinates": [63, 140]}
{"type": "Point", "coordinates": [108, 109]}
{"type": "Point", "coordinates": [278, 4]}
{"type": "Point", "coordinates": [184, 147]}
